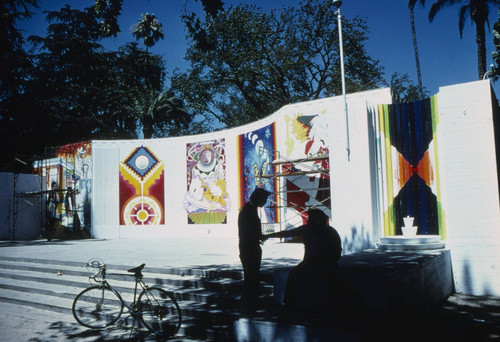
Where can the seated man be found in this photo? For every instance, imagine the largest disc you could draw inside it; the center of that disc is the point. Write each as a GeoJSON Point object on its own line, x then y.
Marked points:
{"type": "Point", "coordinates": [310, 285]}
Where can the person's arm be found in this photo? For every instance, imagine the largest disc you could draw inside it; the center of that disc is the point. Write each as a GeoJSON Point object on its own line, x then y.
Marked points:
{"type": "Point", "coordinates": [286, 233]}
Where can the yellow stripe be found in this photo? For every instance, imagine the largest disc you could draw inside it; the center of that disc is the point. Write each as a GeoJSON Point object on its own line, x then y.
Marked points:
{"type": "Point", "coordinates": [389, 226]}
{"type": "Point", "coordinates": [435, 122]}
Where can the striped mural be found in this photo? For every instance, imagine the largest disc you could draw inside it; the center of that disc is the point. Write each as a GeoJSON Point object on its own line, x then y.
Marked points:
{"type": "Point", "coordinates": [407, 156]}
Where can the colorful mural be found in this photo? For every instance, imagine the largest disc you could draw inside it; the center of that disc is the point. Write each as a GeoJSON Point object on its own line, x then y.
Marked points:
{"type": "Point", "coordinates": [142, 188]}
{"type": "Point", "coordinates": [68, 177]}
{"type": "Point", "coordinates": [407, 143]}
{"type": "Point", "coordinates": [307, 153]}
{"type": "Point", "coordinates": [206, 200]}
{"type": "Point", "coordinates": [256, 151]}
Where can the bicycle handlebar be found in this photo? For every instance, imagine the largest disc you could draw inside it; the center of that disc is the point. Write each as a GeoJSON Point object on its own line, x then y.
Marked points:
{"type": "Point", "coordinates": [99, 273]}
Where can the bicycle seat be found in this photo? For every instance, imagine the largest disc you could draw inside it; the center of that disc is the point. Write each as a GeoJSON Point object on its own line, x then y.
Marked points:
{"type": "Point", "coordinates": [137, 269]}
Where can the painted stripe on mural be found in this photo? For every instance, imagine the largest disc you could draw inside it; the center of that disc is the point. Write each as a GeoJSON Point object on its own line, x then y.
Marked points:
{"type": "Point", "coordinates": [408, 151]}
{"type": "Point", "coordinates": [435, 122]}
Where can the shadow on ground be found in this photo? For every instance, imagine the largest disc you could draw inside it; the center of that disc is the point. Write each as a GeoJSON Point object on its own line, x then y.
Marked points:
{"type": "Point", "coordinates": [64, 331]}
{"type": "Point", "coordinates": [461, 318]}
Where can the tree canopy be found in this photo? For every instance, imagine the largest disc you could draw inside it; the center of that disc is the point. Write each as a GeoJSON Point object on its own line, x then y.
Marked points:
{"type": "Point", "coordinates": [494, 72]}
{"type": "Point", "coordinates": [246, 64]}
{"type": "Point", "coordinates": [404, 91]}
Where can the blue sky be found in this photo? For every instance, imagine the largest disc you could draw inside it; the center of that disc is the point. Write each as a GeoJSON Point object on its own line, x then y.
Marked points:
{"type": "Point", "coordinates": [445, 59]}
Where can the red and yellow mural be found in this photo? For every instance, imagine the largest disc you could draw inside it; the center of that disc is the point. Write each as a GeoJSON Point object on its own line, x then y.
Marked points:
{"type": "Point", "coordinates": [306, 164]}
{"type": "Point", "coordinates": [142, 188]}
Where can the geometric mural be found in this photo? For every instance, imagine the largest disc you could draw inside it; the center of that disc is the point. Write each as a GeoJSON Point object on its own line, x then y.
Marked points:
{"type": "Point", "coordinates": [255, 154]}
{"type": "Point", "coordinates": [412, 174]}
{"type": "Point", "coordinates": [141, 188]}
{"type": "Point", "coordinates": [206, 200]}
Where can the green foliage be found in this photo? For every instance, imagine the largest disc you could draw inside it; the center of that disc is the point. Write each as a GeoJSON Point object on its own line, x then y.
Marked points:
{"type": "Point", "coordinates": [15, 63]}
{"type": "Point", "coordinates": [149, 29]}
{"type": "Point", "coordinates": [494, 72]}
{"type": "Point", "coordinates": [403, 90]}
{"type": "Point", "coordinates": [73, 89]}
{"type": "Point", "coordinates": [73, 75]}
{"type": "Point", "coordinates": [246, 64]}
{"type": "Point", "coordinates": [156, 112]}
{"type": "Point", "coordinates": [108, 11]}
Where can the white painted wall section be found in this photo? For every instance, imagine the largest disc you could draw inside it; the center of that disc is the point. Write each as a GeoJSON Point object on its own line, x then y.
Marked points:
{"type": "Point", "coordinates": [469, 185]}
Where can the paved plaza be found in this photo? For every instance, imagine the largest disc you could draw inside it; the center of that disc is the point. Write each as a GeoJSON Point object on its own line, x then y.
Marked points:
{"type": "Point", "coordinates": [461, 318]}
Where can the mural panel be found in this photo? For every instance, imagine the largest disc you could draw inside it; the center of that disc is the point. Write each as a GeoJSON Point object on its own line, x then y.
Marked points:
{"type": "Point", "coordinates": [142, 191]}
{"type": "Point", "coordinates": [306, 163]}
{"type": "Point", "coordinates": [68, 176]}
{"type": "Point", "coordinates": [256, 151]}
{"type": "Point", "coordinates": [411, 170]}
{"type": "Point", "coordinates": [206, 200]}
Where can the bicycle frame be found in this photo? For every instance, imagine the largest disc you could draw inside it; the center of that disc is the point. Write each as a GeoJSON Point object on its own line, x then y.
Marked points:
{"type": "Point", "coordinates": [138, 281]}
{"type": "Point", "coordinates": [156, 308]}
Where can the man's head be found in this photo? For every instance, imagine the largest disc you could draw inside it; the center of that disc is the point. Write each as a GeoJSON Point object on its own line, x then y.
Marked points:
{"type": "Point", "coordinates": [259, 197]}
{"type": "Point", "coordinates": [317, 217]}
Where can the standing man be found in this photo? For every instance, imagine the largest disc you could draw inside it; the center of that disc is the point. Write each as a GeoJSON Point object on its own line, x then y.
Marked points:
{"type": "Point", "coordinates": [250, 236]}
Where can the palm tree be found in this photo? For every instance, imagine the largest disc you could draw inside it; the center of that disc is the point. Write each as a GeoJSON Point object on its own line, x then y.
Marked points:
{"type": "Point", "coordinates": [411, 6]}
{"type": "Point", "coordinates": [478, 11]}
{"type": "Point", "coordinates": [159, 112]}
{"type": "Point", "coordinates": [149, 29]}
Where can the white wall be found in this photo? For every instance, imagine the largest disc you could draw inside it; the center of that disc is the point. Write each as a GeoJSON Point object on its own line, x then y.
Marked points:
{"type": "Point", "coordinates": [469, 185]}
{"type": "Point", "coordinates": [352, 212]}
{"type": "Point", "coordinates": [467, 173]}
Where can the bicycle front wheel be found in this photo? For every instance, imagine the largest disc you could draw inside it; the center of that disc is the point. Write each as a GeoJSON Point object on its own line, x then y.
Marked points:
{"type": "Point", "coordinates": [97, 307]}
{"type": "Point", "coordinates": [160, 312]}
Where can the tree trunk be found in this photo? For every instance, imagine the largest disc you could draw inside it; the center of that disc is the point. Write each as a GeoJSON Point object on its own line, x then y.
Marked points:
{"type": "Point", "coordinates": [481, 47]}
{"type": "Point", "coordinates": [147, 126]}
{"type": "Point", "coordinates": [417, 60]}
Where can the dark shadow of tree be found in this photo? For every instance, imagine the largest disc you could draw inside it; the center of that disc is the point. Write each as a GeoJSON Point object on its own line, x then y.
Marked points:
{"type": "Point", "coordinates": [59, 331]}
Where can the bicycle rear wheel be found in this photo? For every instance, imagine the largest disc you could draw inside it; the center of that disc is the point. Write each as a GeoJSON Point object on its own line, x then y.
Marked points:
{"type": "Point", "coordinates": [160, 312]}
{"type": "Point", "coordinates": [97, 307]}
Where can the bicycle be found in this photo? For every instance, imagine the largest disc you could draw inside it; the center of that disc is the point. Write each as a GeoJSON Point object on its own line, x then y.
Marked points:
{"type": "Point", "coordinates": [100, 305]}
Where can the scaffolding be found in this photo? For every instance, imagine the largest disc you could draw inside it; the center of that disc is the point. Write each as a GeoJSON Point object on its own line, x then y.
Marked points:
{"type": "Point", "coordinates": [55, 205]}
{"type": "Point", "coordinates": [24, 200]}
{"type": "Point", "coordinates": [301, 170]}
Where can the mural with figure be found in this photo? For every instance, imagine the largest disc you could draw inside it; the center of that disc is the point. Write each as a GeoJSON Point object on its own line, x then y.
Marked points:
{"type": "Point", "coordinates": [307, 162]}
{"type": "Point", "coordinates": [407, 140]}
{"type": "Point", "coordinates": [206, 200]}
{"type": "Point", "coordinates": [142, 191]}
{"type": "Point", "coordinates": [256, 151]}
{"type": "Point", "coordinates": [68, 177]}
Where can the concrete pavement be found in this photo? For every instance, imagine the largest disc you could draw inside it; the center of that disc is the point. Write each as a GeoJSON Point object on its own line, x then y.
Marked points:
{"type": "Point", "coordinates": [461, 318]}
{"type": "Point", "coordinates": [28, 323]}
{"type": "Point", "coordinates": [172, 252]}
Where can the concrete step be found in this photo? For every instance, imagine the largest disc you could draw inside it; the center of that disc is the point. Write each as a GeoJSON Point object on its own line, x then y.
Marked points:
{"type": "Point", "coordinates": [208, 296]}
{"type": "Point", "coordinates": [207, 272]}
{"type": "Point", "coordinates": [79, 277]}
